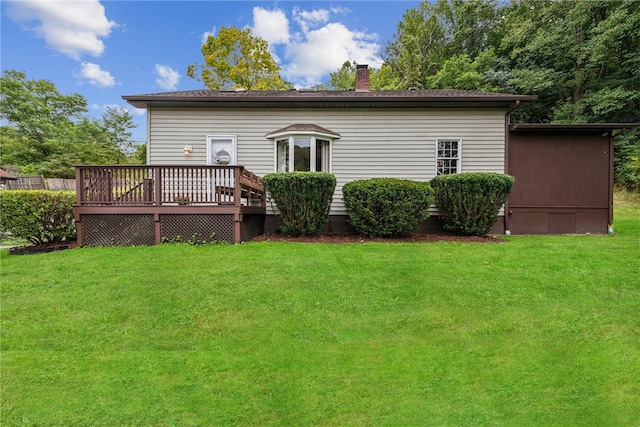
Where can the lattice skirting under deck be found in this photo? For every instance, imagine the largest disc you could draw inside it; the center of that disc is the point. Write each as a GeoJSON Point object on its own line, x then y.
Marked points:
{"type": "Point", "coordinates": [192, 228]}
{"type": "Point", "coordinates": [118, 230]}
{"type": "Point", "coordinates": [141, 229]}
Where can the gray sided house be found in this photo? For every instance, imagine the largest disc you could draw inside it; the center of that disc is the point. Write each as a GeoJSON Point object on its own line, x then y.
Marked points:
{"type": "Point", "coordinates": [563, 174]}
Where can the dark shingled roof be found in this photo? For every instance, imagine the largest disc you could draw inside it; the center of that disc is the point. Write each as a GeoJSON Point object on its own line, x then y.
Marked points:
{"type": "Point", "coordinates": [303, 127]}
{"type": "Point", "coordinates": [310, 98]}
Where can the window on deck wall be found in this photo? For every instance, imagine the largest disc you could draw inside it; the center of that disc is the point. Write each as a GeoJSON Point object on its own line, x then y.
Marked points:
{"type": "Point", "coordinates": [448, 156]}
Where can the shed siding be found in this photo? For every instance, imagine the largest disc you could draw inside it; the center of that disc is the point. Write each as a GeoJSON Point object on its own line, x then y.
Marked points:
{"type": "Point", "coordinates": [373, 143]}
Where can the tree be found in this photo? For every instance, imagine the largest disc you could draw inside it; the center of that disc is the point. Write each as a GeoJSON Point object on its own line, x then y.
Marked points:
{"type": "Point", "coordinates": [581, 58]}
{"type": "Point", "coordinates": [48, 133]}
{"type": "Point", "coordinates": [434, 32]}
{"type": "Point", "coordinates": [117, 123]}
{"type": "Point", "coordinates": [417, 49]}
{"type": "Point", "coordinates": [343, 79]}
{"type": "Point", "coordinates": [460, 72]}
{"type": "Point", "coordinates": [237, 59]}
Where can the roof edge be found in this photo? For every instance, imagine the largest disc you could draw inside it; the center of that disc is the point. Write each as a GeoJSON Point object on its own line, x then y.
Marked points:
{"type": "Point", "coordinates": [208, 99]}
{"type": "Point", "coordinates": [571, 127]}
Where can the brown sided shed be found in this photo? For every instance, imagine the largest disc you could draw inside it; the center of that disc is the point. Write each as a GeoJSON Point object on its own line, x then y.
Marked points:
{"type": "Point", "coordinates": [564, 178]}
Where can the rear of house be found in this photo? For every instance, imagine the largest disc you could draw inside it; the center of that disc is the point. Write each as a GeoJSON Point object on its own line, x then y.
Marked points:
{"type": "Point", "coordinates": [357, 134]}
{"type": "Point", "coordinates": [564, 173]}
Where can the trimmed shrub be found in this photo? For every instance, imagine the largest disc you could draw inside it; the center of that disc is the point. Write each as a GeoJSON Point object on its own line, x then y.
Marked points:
{"type": "Point", "coordinates": [387, 207]}
{"type": "Point", "coordinates": [469, 203]}
{"type": "Point", "coordinates": [302, 199]}
{"type": "Point", "coordinates": [38, 216]}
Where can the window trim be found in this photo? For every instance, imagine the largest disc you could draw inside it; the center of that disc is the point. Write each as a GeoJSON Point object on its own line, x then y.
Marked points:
{"type": "Point", "coordinates": [459, 158]}
{"type": "Point", "coordinates": [314, 138]}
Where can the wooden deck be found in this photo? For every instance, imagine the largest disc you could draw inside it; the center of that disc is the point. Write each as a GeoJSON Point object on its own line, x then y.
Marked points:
{"type": "Point", "coordinates": [133, 205]}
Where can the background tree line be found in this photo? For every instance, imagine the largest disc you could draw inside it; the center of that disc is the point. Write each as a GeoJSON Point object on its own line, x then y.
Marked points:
{"type": "Point", "coordinates": [48, 133]}
{"type": "Point", "coordinates": [581, 58]}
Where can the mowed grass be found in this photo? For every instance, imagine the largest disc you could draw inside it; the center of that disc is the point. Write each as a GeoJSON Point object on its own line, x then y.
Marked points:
{"type": "Point", "coordinates": [536, 331]}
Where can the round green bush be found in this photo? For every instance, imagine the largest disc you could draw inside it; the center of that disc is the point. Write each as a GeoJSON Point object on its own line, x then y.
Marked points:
{"type": "Point", "coordinates": [302, 199]}
{"type": "Point", "coordinates": [468, 203]}
{"type": "Point", "coordinates": [38, 216]}
{"type": "Point", "coordinates": [387, 207]}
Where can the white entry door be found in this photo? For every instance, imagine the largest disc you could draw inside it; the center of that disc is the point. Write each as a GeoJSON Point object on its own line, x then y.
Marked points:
{"type": "Point", "coordinates": [221, 150]}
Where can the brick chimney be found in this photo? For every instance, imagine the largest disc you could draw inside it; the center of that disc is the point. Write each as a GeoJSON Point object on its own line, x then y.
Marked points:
{"type": "Point", "coordinates": [362, 78]}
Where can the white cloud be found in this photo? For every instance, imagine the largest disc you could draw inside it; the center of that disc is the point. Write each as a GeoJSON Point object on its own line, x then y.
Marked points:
{"type": "Point", "coordinates": [73, 28]}
{"type": "Point", "coordinates": [317, 47]}
{"type": "Point", "coordinates": [270, 25]}
{"type": "Point", "coordinates": [168, 78]}
{"type": "Point", "coordinates": [322, 51]}
{"type": "Point", "coordinates": [310, 19]}
{"type": "Point", "coordinates": [95, 75]}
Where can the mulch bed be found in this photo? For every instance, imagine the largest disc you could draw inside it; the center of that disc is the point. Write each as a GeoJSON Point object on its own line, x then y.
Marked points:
{"type": "Point", "coordinates": [321, 238]}
{"type": "Point", "coordinates": [352, 238]}
{"type": "Point", "coordinates": [39, 249]}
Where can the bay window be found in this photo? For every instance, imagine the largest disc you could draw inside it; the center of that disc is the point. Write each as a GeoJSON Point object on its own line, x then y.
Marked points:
{"type": "Point", "coordinates": [303, 148]}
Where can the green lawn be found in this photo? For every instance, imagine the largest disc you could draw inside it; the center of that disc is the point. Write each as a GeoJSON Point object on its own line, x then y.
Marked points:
{"type": "Point", "coordinates": [537, 331]}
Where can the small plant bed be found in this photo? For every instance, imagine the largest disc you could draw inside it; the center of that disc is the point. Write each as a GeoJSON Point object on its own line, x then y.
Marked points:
{"type": "Point", "coordinates": [42, 248]}
{"type": "Point", "coordinates": [355, 238]}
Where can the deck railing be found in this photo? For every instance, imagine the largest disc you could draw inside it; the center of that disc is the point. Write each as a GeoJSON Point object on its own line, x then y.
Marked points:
{"type": "Point", "coordinates": [167, 185]}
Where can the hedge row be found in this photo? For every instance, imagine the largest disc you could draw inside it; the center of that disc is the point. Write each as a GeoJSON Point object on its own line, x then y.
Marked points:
{"type": "Point", "coordinates": [468, 203]}
{"type": "Point", "coordinates": [38, 216]}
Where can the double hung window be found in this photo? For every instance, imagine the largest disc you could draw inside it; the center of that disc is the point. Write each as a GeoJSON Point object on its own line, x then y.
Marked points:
{"type": "Point", "coordinates": [448, 156]}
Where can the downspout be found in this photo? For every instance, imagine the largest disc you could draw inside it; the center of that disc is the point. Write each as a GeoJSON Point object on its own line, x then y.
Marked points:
{"type": "Point", "coordinates": [610, 196]}
{"type": "Point", "coordinates": [507, 120]}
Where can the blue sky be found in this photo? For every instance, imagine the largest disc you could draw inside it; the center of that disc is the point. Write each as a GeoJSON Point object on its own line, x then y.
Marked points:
{"type": "Point", "coordinates": [106, 49]}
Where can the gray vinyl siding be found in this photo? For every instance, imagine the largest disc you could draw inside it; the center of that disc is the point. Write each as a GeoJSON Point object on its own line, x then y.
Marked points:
{"type": "Point", "coordinates": [373, 143]}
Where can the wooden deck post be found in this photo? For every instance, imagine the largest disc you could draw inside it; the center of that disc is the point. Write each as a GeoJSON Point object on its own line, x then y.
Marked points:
{"type": "Point", "coordinates": [158, 228]}
{"type": "Point", "coordinates": [237, 185]}
{"type": "Point", "coordinates": [157, 194]}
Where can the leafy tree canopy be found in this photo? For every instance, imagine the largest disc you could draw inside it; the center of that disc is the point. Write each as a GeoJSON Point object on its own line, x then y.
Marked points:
{"type": "Point", "coordinates": [433, 32]}
{"type": "Point", "coordinates": [48, 133]}
{"type": "Point", "coordinates": [235, 58]}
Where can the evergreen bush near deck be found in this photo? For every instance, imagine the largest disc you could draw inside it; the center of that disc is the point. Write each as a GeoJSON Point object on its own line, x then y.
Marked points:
{"type": "Point", "coordinates": [469, 203]}
{"type": "Point", "coordinates": [38, 216]}
{"type": "Point", "coordinates": [387, 207]}
{"type": "Point", "coordinates": [302, 199]}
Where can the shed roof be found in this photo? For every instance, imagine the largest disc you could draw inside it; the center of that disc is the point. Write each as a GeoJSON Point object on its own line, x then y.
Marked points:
{"type": "Point", "coordinates": [310, 98]}
{"type": "Point", "coordinates": [571, 127]}
{"type": "Point", "coordinates": [6, 175]}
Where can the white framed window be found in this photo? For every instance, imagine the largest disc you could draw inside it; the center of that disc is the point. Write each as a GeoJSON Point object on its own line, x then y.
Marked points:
{"type": "Point", "coordinates": [303, 153]}
{"type": "Point", "coordinates": [448, 155]}
{"type": "Point", "coordinates": [222, 150]}
{"type": "Point", "coordinates": [303, 148]}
